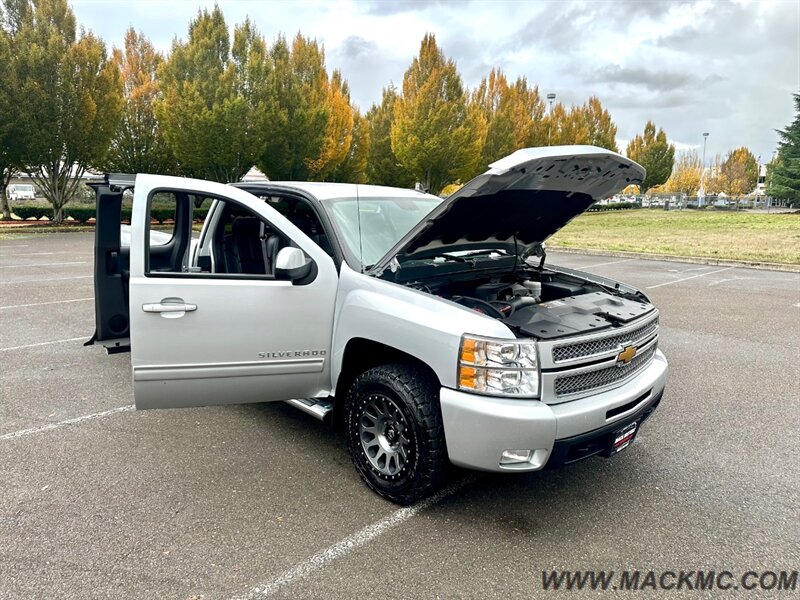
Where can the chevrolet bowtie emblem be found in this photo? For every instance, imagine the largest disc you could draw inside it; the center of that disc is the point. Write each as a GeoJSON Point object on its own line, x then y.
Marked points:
{"type": "Point", "coordinates": [624, 357]}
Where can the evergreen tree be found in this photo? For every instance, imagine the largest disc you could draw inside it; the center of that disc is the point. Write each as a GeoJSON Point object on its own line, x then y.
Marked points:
{"type": "Point", "coordinates": [783, 174]}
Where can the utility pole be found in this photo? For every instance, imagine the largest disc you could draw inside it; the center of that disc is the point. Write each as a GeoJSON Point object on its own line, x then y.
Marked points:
{"type": "Point", "coordinates": [701, 199]}
{"type": "Point", "coordinates": [550, 98]}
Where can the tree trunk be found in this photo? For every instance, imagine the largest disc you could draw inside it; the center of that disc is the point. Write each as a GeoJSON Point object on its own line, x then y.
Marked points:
{"type": "Point", "coordinates": [58, 215]}
{"type": "Point", "coordinates": [4, 206]}
{"type": "Point", "coordinates": [5, 179]}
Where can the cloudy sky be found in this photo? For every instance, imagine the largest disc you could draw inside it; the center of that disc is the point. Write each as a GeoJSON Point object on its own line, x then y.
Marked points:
{"type": "Point", "coordinates": [727, 68]}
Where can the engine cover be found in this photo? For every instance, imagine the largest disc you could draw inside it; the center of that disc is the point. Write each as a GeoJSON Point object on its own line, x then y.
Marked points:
{"type": "Point", "coordinates": [576, 314]}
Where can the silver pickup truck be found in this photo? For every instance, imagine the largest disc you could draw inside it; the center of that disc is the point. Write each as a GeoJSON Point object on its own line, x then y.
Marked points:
{"type": "Point", "coordinates": [428, 330]}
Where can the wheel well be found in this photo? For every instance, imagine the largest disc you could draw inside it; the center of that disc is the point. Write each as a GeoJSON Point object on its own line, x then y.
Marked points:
{"type": "Point", "coordinates": [362, 354]}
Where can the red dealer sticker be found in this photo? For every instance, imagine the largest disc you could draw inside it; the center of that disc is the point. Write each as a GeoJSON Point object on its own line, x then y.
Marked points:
{"type": "Point", "coordinates": [623, 437]}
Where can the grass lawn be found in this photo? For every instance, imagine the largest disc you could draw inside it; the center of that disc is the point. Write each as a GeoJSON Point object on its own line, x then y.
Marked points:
{"type": "Point", "coordinates": [773, 238]}
{"type": "Point", "coordinates": [710, 234]}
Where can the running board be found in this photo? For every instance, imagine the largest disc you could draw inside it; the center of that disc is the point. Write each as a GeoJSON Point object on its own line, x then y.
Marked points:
{"type": "Point", "coordinates": [318, 408]}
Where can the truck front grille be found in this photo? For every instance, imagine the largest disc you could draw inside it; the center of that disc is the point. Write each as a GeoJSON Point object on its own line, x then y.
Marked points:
{"type": "Point", "coordinates": [568, 352]}
{"type": "Point", "coordinates": [567, 385]}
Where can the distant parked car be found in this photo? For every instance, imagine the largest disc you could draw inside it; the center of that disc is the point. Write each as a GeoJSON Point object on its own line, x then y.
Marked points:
{"type": "Point", "coordinates": [21, 191]}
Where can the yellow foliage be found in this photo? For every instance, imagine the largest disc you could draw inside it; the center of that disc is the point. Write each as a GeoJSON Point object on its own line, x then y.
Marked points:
{"type": "Point", "coordinates": [686, 174]}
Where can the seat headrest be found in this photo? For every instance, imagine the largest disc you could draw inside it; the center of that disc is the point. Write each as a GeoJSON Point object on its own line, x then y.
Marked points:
{"type": "Point", "coordinates": [246, 227]}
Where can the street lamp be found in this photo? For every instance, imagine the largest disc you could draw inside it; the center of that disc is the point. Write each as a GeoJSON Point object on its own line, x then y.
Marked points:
{"type": "Point", "coordinates": [702, 197]}
{"type": "Point", "coordinates": [550, 98]}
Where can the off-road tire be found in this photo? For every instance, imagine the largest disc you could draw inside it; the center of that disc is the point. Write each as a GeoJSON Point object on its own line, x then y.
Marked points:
{"type": "Point", "coordinates": [416, 394]}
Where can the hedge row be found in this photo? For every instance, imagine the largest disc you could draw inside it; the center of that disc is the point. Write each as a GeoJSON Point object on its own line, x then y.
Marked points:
{"type": "Point", "coordinates": [84, 214]}
{"type": "Point", "coordinates": [616, 206]}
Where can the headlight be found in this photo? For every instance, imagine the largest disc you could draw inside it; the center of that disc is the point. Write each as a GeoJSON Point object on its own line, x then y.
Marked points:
{"type": "Point", "coordinates": [498, 367]}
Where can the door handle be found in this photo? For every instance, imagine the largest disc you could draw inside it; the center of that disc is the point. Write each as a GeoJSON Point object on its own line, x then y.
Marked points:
{"type": "Point", "coordinates": [158, 307]}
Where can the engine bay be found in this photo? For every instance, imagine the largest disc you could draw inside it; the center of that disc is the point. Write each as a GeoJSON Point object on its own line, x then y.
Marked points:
{"type": "Point", "coordinates": [543, 304]}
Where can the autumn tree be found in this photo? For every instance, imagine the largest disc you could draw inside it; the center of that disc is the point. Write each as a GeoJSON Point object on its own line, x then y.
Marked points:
{"type": "Point", "coordinates": [432, 134]}
{"type": "Point", "coordinates": [308, 114]}
{"type": "Point", "coordinates": [73, 100]}
{"type": "Point", "coordinates": [738, 174]}
{"type": "Point", "coordinates": [566, 126]}
{"type": "Point", "coordinates": [213, 94]}
{"type": "Point", "coordinates": [783, 173]}
{"type": "Point", "coordinates": [383, 167]}
{"type": "Point", "coordinates": [513, 116]}
{"type": "Point", "coordinates": [353, 169]}
{"type": "Point", "coordinates": [652, 150]}
{"type": "Point", "coordinates": [138, 145]}
{"type": "Point", "coordinates": [338, 133]}
{"type": "Point", "coordinates": [686, 174]}
{"type": "Point", "coordinates": [602, 130]}
{"type": "Point", "coordinates": [712, 180]}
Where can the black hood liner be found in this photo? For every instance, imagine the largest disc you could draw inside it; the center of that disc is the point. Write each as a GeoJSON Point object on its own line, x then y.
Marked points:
{"type": "Point", "coordinates": [494, 221]}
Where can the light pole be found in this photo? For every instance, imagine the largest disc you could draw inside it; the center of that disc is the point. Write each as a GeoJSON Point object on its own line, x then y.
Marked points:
{"type": "Point", "coordinates": [702, 198]}
{"type": "Point", "coordinates": [550, 98]}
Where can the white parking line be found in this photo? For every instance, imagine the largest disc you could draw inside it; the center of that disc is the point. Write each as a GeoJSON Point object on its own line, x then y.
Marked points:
{"type": "Point", "coordinates": [652, 287]}
{"type": "Point", "coordinates": [45, 280]}
{"type": "Point", "coordinates": [33, 253]}
{"type": "Point", "coordinates": [352, 542]}
{"type": "Point", "coordinates": [43, 303]}
{"type": "Point", "coordinates": [75, 339]}
{"type": "Point", "coordinates": [603, 264]}
{"type": "Point", "coordinates": [61, 264]}
{"type": "Point", "coordinates": [14, 246]}
{"type": "Point", "coordinates": [51, 426]}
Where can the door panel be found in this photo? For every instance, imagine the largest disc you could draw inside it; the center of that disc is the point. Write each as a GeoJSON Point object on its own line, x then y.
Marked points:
{"type": "Point", "coordinates": [202, 338]}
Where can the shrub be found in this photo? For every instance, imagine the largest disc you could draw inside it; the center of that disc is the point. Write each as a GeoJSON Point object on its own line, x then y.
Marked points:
{"type": "Point", "coordinates": [616, 206]}
{"type": "Point", "coordinates": [80, 213]}
{"type": "Point", "coordinates": [36, 212]}
{"type": "Point", "coordinates": [200, 214]}
{"type": "Point", "coordinates": [162, 214]}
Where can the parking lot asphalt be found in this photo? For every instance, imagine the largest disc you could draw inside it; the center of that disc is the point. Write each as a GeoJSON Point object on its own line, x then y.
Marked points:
{"type": "Point", "coordinates": [99, 501]}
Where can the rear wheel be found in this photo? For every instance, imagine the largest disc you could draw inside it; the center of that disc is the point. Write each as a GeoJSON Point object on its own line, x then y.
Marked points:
{"type": "Point", "coordinates": [394, 432]}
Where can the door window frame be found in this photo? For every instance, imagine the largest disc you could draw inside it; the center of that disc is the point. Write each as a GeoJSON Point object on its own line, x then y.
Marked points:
{"type": "Point", "coordinates": [177, 192]}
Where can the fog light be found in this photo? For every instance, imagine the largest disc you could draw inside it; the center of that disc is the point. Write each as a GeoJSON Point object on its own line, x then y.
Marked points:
{"type": "Point", "coordinates": [513, 457]}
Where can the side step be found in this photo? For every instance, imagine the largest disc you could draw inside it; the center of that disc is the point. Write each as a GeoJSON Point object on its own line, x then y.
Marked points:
{"type": "Point", "coordinates": [319, 408]}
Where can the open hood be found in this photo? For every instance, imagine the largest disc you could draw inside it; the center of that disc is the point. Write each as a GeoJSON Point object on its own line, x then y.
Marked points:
{"type": "Point", "coordinates": [519, 202]}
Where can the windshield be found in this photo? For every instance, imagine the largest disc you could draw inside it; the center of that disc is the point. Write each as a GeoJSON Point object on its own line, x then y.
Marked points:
{"type": "Point", "coordinates": [23, 188]}
{"type": "Point", "coordinates": [383, 222]}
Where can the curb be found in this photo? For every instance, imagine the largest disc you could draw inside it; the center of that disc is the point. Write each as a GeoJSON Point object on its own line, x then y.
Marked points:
{"type": "Point", "coordinates": [697, 260]}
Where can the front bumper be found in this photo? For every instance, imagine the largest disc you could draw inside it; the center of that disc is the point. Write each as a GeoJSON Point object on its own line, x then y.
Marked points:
{"type": "Point", "coordinates": [479, 428]}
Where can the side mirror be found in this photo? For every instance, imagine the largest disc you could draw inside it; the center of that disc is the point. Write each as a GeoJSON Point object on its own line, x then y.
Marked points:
{"type": "Point", "coordinates": [292, 264]}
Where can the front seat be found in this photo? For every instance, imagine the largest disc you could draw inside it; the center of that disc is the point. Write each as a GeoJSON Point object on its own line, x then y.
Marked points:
{"type": "Point", "coordinates": [251, 247]}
